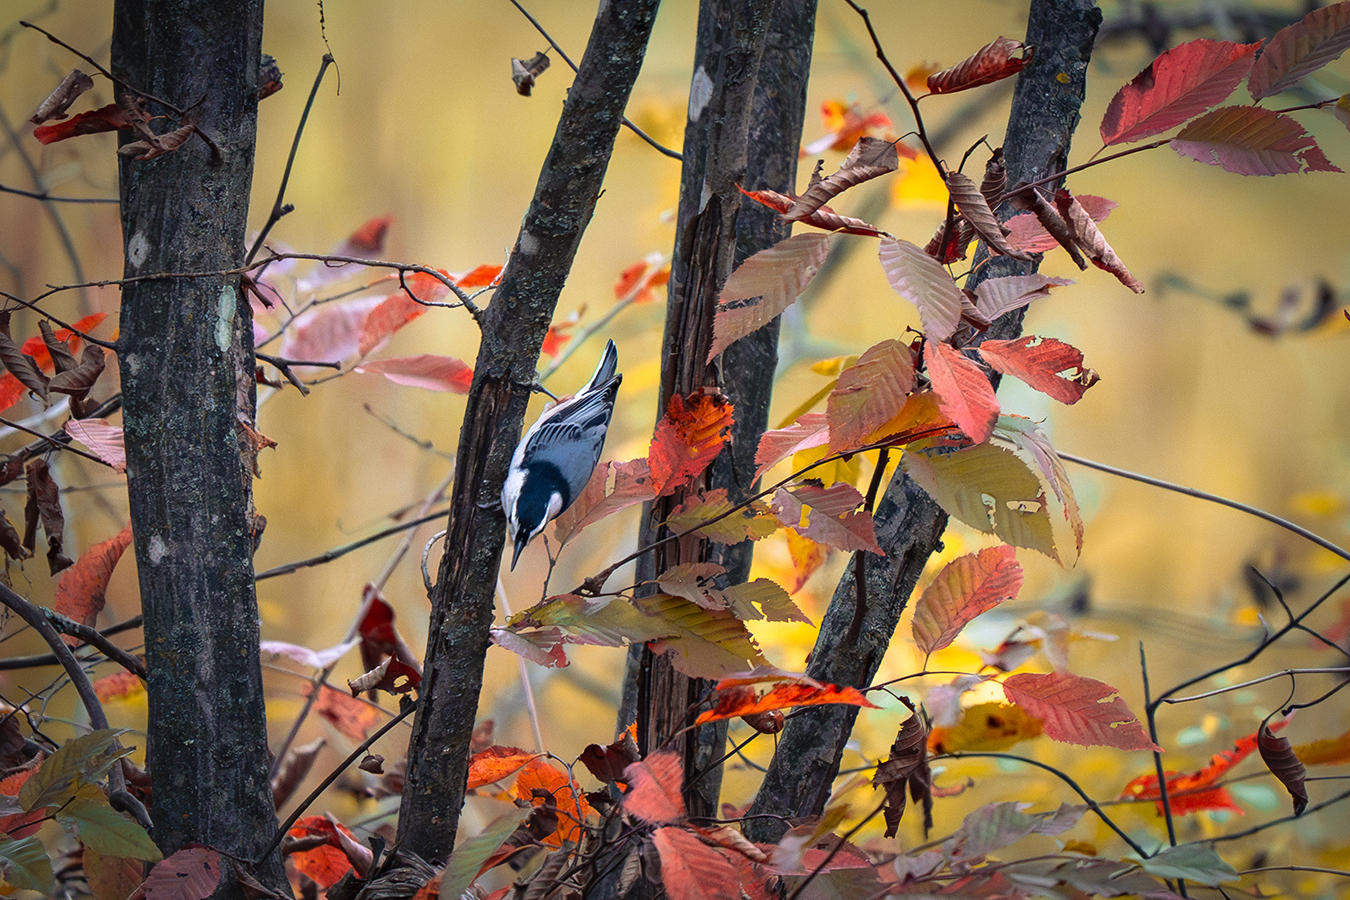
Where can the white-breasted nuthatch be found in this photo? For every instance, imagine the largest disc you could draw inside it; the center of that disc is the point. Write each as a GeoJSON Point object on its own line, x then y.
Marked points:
{"type": "Point", "coordinates": [556, 457]}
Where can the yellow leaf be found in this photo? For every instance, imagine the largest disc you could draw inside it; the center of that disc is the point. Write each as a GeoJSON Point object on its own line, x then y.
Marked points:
{"type": "Point", "coordinates": [986, 727]}
{"type": "Point", "coordinates": [919, 186]}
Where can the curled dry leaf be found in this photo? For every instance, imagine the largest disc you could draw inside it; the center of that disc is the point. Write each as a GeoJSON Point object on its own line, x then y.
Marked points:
{"type": "Point", "coordinates": [524, 72]}
{"type": "Point", "coordinates": [907, 767]}
{"type": "Point", "coordinates": [159, 144]}
{"type": "Point", "coordinates": [1053, 223]}
{"type": "Point", "coordinates": [44, 504]}
{"type": "Point", "coordinates": [992, 62]}
{"type": "Point", "coordinates": [1090, 239]}
{"type": "Point", "coordinates": [78, 381]}
{"type": "Point", "coordinates": [823, 218]}
{"type": "Point", "coordinates": [20, 364]}
{"type": "Point", "coordinates": [1284, 764]}
{"type": "Point", "coordinates": [59, 100]}
{"type": "Point", "coordinates": [975, 210]}
{"type": "Point", "coordinates": [995, 180]}
{"type": "Point", "coordinates": [870, 158]}
{"type": "Point", "coordinates": [295, 766]}
{"type": "Point", "coordinates": [59, 350]}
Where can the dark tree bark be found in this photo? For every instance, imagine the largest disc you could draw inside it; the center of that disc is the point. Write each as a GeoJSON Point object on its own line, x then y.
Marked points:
{"type": "Point", "coordinates": [513, 329]}
{"type": "Point", "coordinates": [909, 523]}
{"type": "Point", "coordinates": [186, 355]}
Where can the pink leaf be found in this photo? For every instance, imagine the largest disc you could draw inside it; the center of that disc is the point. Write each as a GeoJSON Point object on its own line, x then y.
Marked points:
{"type": "Point", "coordinates": [655, 787]}
{"type": "Point", "coordinates": [921, 280]}
{"type": "Point", "coordinates": [834, 517]}
{"type": "Point", "coordinates": [1038, 361]}
{"type": "Point", "coordinates": [1026, 233]}
{"type": "Point", "coordinates": [966, 587]}
{"type": "Point", "coordinates": [691, 870]}
{"type": "Point", "coordinates": [1078, 710]}
{"type": "Point", "coordinates": [765, 285]}
{"type": "Point", "coordinates": [103, 440]}
{"type": "Point", "coordinates": [870, 394]}
{"type": "Point", "coordinates": [809, 431]}
{"type": "Point", "coordinates": [1301, 49]}
{"type": "Point", "coordinates": [329, 333]}
{"type": "Point", "coordinates": [426, 370]}
{"type": "Point", "coordinates": [964, 393]}
{"type": "Point", "coordinates": [1182, 82]}
{"type": "Point", "coordinates": [1249, 140]}
{"type": "Point", "coordinates": [996, 296]}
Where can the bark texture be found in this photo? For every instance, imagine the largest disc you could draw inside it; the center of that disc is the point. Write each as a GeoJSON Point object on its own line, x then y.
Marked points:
{"type": "Point", "coordinates": [513, 329]}
{"type": "Point", "coordinates": [909, 523]}
{"type": "Point", "coordinates": [186, 357]}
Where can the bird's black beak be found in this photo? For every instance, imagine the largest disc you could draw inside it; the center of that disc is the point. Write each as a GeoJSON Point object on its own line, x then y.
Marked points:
{"type": "Point", "coordinates": [522, 540]}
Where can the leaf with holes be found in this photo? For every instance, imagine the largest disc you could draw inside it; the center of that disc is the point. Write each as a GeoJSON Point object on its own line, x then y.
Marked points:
{"type": "Point", "coordinates": [687, 439]}
{"type": "Point", "coordinates": [1078, 710]}
{"type": "Point", "coordinates": [921, 280]}
{"type": "Point", "coordinates": [1039, 362]}
{"type": "Point", "coordinates": [1298, 50]}
{"type": "Point", "coordinates": [834, 516]}
{"type": "Point", "coordinates": [1182, 82]}
{"type": "Point", "coordinates": [765, 285]}
{"type": "Point", "coordinates": [965, 588]}
{"type": "Point", "coordinates": [1248, 140]}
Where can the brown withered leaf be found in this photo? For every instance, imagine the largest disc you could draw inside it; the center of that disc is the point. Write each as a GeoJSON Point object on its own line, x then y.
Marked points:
{"type": "Point", "coordinates": [823, 218]}
{"type": "Point", "coordinates": [10, 541]}
{"type": "Point", "coordinates": [1089, 237]}
{"type": "Point", "coordinates": [137, 118]}
{"type": "Point", "coordinates": [607, 763]}
{"type": "Point", "coordinates": [1284, 764]}
{"type": "Point", "coordinates": [372, 763]}
{"type": "Point", "coordinates": [44, 504]}
{"type": "Point", "coordinates": [995, 180]}
{"type": "Point", "coordinates": [59, 100]}
{"type": "Point", "coordinates": [20, 364]}
{"type": "Point", "coordinates": [62, 358]}
{"type": "Point", "coordinates": [907, 766]}
{"type": "Point", "coordinates": [1051, 221]}
{"type": "Point", "coordinates": [158, 145]}
{"type": "Point", "coordinates": [78, 381]}
{"type": "Point", "coordinates": [992, 62]}
{"type": "Point", "coordinates": [295, 765]}
{"type": "Point", "coordinates": [870, 158]}
{"type": "Point", "coordinates": [524, 72]}
{"type": "Point", "coordinates": [975, 210]}
{"type": "Point", "coordinates": [269, 77]}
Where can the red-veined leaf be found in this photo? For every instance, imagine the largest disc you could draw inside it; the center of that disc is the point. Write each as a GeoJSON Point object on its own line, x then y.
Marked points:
{"type": "Point", "coordinates": [426, 370]}
{"type": "Point", "coordinates": [824, 218]}
{"type": "Point", "coordinates": [109, 118]}
{"type": "Point", "coordinates": [1284, 764]}
{"type": "Point", "coordinates": [82, 590]}
{"type": "Point", "coordinates": [966, 587]}
{"type": "Point", "coordinates": [992, 62]}
{"type": "Point", "coordinates": [996, 296]}
{"type": "Point", "coordinates": [921, 280]}
{"type": "Point", "coordinates": [1182, 82]}
{"type": "Point", "coordinates": [687, 439]}
{"type": "Point", "coordinates": [809, 431]}
{"type": "Point", "coordinates": [691, 870]}
{"type": "Point", "coordinates": [765, 285]}
{"type": "Point", "coordinates": [655, 786]}
{"type": "Point", "coordinates": [869, 394]}
{"type": "Point", "coordinates": [104, 440]}
{"type": "Point", "coordinates": [1092, 241]}
{"type": "Point", "coordinates": [744, 701]}
{"type": "Point", "coordinates": [1078, 710]}
{"type": "Point", "coordinates": [1039, 361]}
{"type": "Point", "coordinates": [964, 392]}
{"type": "Point", "coordinates": [1301, 49]}
{"type": "Point", "coordinates": [1249, 140]}
{"type": "Point", "coordinates": [870, 158]}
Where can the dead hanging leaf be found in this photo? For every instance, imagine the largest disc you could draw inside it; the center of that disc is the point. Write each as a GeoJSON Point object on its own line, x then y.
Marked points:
{"type": "Point", "coordinates": [870, 158]}
{"type": "Point", "coordinates": [158, 145]}
{"type": "Point", "coordinates": [907, 767]}
{"type": "Point", "coordinates": [63, 360]}
{"type": "Point", "coordinates": [82, 590]}
{"type": "Point", "coordinates": [44, 504]}
{"type": "Point", "coordinates": [1087, 236]}
{"type": "Point", "coordinates": [951, 241]}
{"type": "Point", "coordinates": [824, 218]}
{"type": "Point", "coordinates": [992, 62]}
{"type": "Point", "coordinates": [524, 72]}
{"type": "Point", "coordinates": [1284, 764]}
{"type": "Point", "coordinates": [380, 639]}
{"type": "Point", "coordinates": [995, 180]}
{"type": "Point", "coordinates": [10, 541]}
{"type": "Point", "coordinates": [996, 296]}
{"type": "Point", "coordinates": [1051, 221]}
{"type": "Point", "coordinates": [975, 209]}
{"type": "Point", "coordinates": [78, 381]}
{"type": "Point", "coordinates": [95, 121]}
{"type": "Point", "coordinates": [295, 765]}
{"type": "Point", "coordinates": [59, 100]}
{"type": "Point", "coordinates": [20, 364]}
{"type": "Point", "coordinates": [607, 763]}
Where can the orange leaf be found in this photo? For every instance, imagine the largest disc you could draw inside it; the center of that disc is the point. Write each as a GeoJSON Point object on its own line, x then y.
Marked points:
{"type": "Point", "coordinates": [1039, 362]}
{"type": "Point", "coordinates": [479, 277]}
{"type": "Point", "coordinates": [870, 394]}
{"type": "Point", "coordinates": [964, 393]}
{"type": "Point", "coordinates": [992, 62]}
{"type": "Point", "coordinates": [496, 764]}
{"type": "Point", "coordinates": [1078, 710]}
{"type": "Point", "coordinates": [1196, 791]}
{"type": "Point", "coordinates": [691, 870]}
{"type": "Point", "coordinates": [118, 686]}
{"type": "Point", "coordinates": [1326, 752]}
{"type": "Point", "coordinates": [353, 718]}
{"type": "Point", "coordinates": [368, 240]}
{"type": "Point", "coordinates": [965, 588]}
{"type": "Point", "coordinates": [743, 701]}
{"type": "Point", "coordinates": [655, 787]}
{"type": "Point", "coordinates": [687, 439]}
{"type": "Point", "coordinates": [81, 592]}
{"type": "Point", "coordinates": [567, 795]}
{"type": "Point", "coordinates": [641, 279]}
{"type": "Point", "coordinates": [807, 557]}
{"type": "Point", "coordinates": [391, 315]}
{"type": "Point", "coordinates": [764, 285]}
{"type": "Point", "coordinates": [109, 118]}
{"type": "Point", "coordinates": [845, 123]}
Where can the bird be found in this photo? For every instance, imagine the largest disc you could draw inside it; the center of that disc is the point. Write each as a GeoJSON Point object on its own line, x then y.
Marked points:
{"type": "Point", "coordinates": [554, 460]}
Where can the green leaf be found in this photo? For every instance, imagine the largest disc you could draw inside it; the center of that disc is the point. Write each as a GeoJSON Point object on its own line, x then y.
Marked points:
{"type": "Point", "coordinates": [86, 758]}
{"type": "Point", "coordinates": [25, 865]}
{"type": "Point", "coordinates": [1200, 863]}
{"type": "Point", "coordinates": [470, 855]}
{"type": "Point", "coordinates": [105, 829]}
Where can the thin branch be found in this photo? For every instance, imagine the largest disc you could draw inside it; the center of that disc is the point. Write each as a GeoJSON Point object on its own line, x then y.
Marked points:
{"type": "Point", "coordinates": [665, 151]}
{"type": "Point", "coordinates": [1280, 821]}
{"type": "Point", "coordinates": [54, 442]}
{"type": "Point", "coordinates": [1270, 677]}
{"type": "Point", "coordinates": [97, 640]}
{"type": "Point", "coordinates": [49, 659]}
{"type": "Point", "coordinates": [107, 345]}
{"type": "Point", "coordinates": [1213, 498]}
{"type": "Point", "coordinates": [48, 198]}
{"type": "Point", "coordinates": [1163, 787]}
{"type": "Point", "coordinates": [337, 552]}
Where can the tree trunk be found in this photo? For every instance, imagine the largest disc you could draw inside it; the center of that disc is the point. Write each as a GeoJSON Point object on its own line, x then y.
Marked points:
{"type": "Point", "coordinates": [186, 355]}
{"type": "Point", "coordinates": [909, 523]}
{"type": "Point", "coordinates": [513, 329]}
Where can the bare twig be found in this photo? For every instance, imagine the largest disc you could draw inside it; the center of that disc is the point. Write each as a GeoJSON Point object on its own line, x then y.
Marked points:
{"type": "Point", "coordinates": [48, 198]}
{"type": "Point", "coordinates": [337, 552]}
{"type": "Point", "coordinates": [49, 659]}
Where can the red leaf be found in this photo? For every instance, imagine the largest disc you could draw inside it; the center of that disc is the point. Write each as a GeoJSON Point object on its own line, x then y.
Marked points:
{"type": "Point", "coordinates": [1038, 361]}
{"type": "Point", "coordinates": [1195, 791]}
{"type": "Point", "coordinates": [632, 485]}
{"type": "Point", "coordinates": [118, 686]}
{"type": "Point", "coordinates": [109, 118]}
{"type": "Point", "coordinates": [396, 311]}
{"type": "Point", "coordinates": [1089, 237]}
{"type": "Point", "coordinates": [640, 280]}
{"type": "Point", "coordinates": [992, 62]}
{"type": "Point", "coordinates": [691, 870]}
{"type": "Point", "coordinates": [11, 391]}
{"type": "Point", "coordinates": [655, 788]}
{"type": "Point", "coordinates": [354, 718]}
{"type": "Point", "coordinates": [966, 587]}
{"type": "Point", "coordinates": [1249, 140]}
{"type": "Point", "coordinates": [1181, 83]}
{"type": "Point", "coordinates": [325, 864]}
{"type": "Point", "coordinates": [921, 280]}
{"type": "Point", "coordinates": [834, 518]}
{"type": "Point", "coordinates": [478, 277]}
{"type": "Point", "coordinates": [434, 373]}
{"type": "Point", "coordinates": [869, 394]}
{"type": "Point", "coordinates": [1078, 710]}
{"type": "Point", "coordinates": [538, 778]}
{"type": "Point", "coordinates": [1301, 49]}
{"type": "Point", "coordinates": [687, 439]}
{"type": "Point", "coordinates": [103, 440]}
{"type": "Point", "coordinates": [810, 430]}
{"type": "Point", "coordinates": [329, 333]}
{"type": "Point", "coordinates": [368, 240]}
{"type": "Point", "coordinates": [81, 592]}
{"type": "Point", "coordinates": [964, 393]}
{"type": "Point", "coordinates": [744, 701]}
{"type": "Point", "coordinates": [380, 639]}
